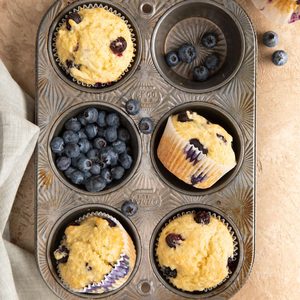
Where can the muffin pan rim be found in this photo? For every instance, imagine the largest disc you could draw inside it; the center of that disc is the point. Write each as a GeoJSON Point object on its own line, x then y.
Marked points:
{"type": "Point", "coordinates": [94, 208]}
{"type": "Point", "coordinates": [216, 187]}
{"type": "Point", "coordinates": [173, 214]}
{"type": "Point", "coordinates": [62, 75]}
{"type": "Point", "coordinates": [65, 115]}
{"type": "Point", "coordinates": [181, 87]}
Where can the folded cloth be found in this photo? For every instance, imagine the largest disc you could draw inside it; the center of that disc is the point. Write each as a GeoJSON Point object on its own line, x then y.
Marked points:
{"type": "Point", "coordinates": [280, 11]}
{"type": "Point", "coordinates": [19, 276]}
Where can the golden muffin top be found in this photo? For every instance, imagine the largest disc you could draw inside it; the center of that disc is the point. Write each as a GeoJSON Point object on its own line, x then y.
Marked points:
{"type": "Point", "coordinates": [95, 45]}
{"type": "Point", "coordinates": [193, 251]}
{"type": "Point", "coordinates": [93, 247]}
{"type": "Point", "coordinates": [212, 139]}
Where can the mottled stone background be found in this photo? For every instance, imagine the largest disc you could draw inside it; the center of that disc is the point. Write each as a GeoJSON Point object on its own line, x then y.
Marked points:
{"type": "Point", "coordinates": [276, 273]}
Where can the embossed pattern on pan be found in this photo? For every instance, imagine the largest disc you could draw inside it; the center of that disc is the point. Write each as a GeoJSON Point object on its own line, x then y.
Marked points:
{"type": "Point", "coordinates": [154, 196]}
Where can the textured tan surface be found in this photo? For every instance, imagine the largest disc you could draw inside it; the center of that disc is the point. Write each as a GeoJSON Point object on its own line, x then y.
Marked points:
{"type": "Point", "coordinates": [276, 273]}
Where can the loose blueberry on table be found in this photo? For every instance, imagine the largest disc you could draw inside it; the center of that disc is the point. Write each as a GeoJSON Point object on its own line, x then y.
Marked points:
{"type": "Point", "coordinates": [270, 39]}
{"type": "Point", "coordinates": [280, 58]}
{"type": "Point", "coordinates": [92, 150]}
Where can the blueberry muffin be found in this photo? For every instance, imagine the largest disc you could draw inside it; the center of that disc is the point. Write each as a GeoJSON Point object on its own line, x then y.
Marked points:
{"type": "Point", "coordinates": [95, 46]}
{"type": "Point", "coordinates": [195, 150]}
{"type": "Point", "coordinates": [96, 255]}
{"type": "Point", "coordinates": [193, 251]}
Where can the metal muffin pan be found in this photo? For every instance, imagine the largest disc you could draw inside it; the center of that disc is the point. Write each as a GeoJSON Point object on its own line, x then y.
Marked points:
{"type": "Point", "coordinates": [230, 102]}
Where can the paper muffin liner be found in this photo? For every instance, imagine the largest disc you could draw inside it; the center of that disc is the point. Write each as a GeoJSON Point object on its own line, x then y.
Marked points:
{"type": "Point", "coordinates": [90, 6]}
{"type": "Point", "coordinates": [212, 214]}
{"type": "Point", "coordinates": [120, 271]}
{"type": "Point", "coordinates": [186, 161]}
{"type": "Point", "coordinates": [279, 11]}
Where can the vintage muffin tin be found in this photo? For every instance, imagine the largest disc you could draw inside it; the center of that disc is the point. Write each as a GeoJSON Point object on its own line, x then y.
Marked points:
{"type": "Point", "coordinates": [227, 98]}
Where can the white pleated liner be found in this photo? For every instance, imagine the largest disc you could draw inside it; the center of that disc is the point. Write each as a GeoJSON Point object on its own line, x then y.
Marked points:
{"type": "Point", "coordinates": [231, 231]}
{"type": "Point", "coordinates": [89, 6]}
{"type": "Point", "coordinates": [177, 158]}
{"type": "Point", "coordinates": [94, 288]}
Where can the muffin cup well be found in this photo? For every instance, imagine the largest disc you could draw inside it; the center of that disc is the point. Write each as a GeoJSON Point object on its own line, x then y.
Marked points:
{"type": "Point", "coordinates": [126, 122]}
{"type": "Point", "coordinates": [237, 258]}
{"type": "Point", "coordinates": [215, 115]}
{"type": "Point", "coordinates": [174, 29]}
{"type": "Point", "coordinates": [116, 277]}
{"type": "Point", "coordinates": [64, 73]}
{"type": "Point", "coordinates": [78, 214]}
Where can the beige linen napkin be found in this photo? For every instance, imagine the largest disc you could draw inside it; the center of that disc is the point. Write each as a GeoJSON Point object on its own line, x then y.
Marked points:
{"type": "Point", "coordinates": [19, 276]}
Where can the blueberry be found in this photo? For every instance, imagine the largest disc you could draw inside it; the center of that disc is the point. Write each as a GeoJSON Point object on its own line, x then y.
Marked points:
{"type": "Point", "coordinates": [172, 59]}
{"type": "Point", "coordinates": [91, 130]}
{"type": "Point", "coordinates": [270, 39]}
{"type": "Point", "coordinates": [82, 119]}
{"type": "Point", "coordinates": [125, 160]}
{"type": "Point", "coordinates": [173, 240]}
{"type": "Point", "coordinates": [77, 177]}
{"type": "Point", "coordinates": [202, 217]}
{"type": "Point", "coordinates": [73, 124]}
{"type": "Point", "coordinates": [280, 58]}
{"type": "Point", "coordinates": [69, 171]}
{"type": "Point", "coordinates": [84, 164]}
{"type": "Point", "coordinates": [111, 134]}
{"type": "Point", "coordinates": [70, 136]}
{"type": "Point", "coordinates": [73, 16]}
{"type": "Point", "coordinates": [99, 143]}
{"type": "Point", "coordinates": [87, 175]}
{"type": "Point", "coordinates": [63, 163]}
{"type": "Point", "coordinates": [133, 107]}
{"type": "Point", "coordinates": [169, 273]}
{"type": "Point", "coordinates": [106, 174]}
{"type": "Point", "coordinates": [57, 145]}
{"type": "Point", "coordinates": [95, 169]}
{"type": "Point", "coordinates": [72, 150]}
{"type": "Point", "coordinates": [112, 119]}
{"type": "Point", "coordinates": [95, 184]}
{"type": "Point", "coordinates": [61, 254]}
{"type": "Point", "coordinates": [129, 208]}
{"type": "Point", "coordinates": [90, 115]}
{"type": "Point", "coordinates": [123, 135]}
{"type": "Point", "coordinates": [118, 46]}
{"type": "Point", "coordinates": [84, 145]}
{"type": "Point", "coordinates": [146, 125]}
{"type": "Point", "coordinates": [119, 146]}
{"type": "Point", "coordinates": [187, 53]}
{"type": "Point", "coordinates": [200, 73]}
{"type": "Point", "coordinates": [101, 132]}
{"type": "Point", "coordinates": [93, 154]}
{"type": "Point", "coordinates": [117, 172]}
{"type": "Point", "coordinates": [82, 134]}
{"type": "Point", "coordinates": [212, 62]}
{"type": "Point", "coordinates": [101, 121]}
{"type": "Point", "coordinates": [108, 157]}
{"type": "Point", "coordinates": [209, 40]}
{"type": "Point", "coordinates": [75, 160]}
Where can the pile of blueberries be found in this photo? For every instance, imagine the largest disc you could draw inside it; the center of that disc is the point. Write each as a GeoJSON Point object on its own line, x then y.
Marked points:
{"type": "Point", "coordinates": [187, 54]}
{"type": "Point", "coordinates": [93, 150]}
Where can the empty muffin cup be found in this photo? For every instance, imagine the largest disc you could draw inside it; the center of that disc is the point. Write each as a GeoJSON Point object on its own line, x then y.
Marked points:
{"type": "Point", "coordinates": [126, 136]}
{"type": "Point", "coordinates": [187, 23]}
{"type": "Point", "coordinates": [63, 68]}
{"type": "Point", "coordinates": [120, 273]}
{"type": "Point", "coordinates": [220, 269]}
{"type": "Point", "coordinates": [215, 115]}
